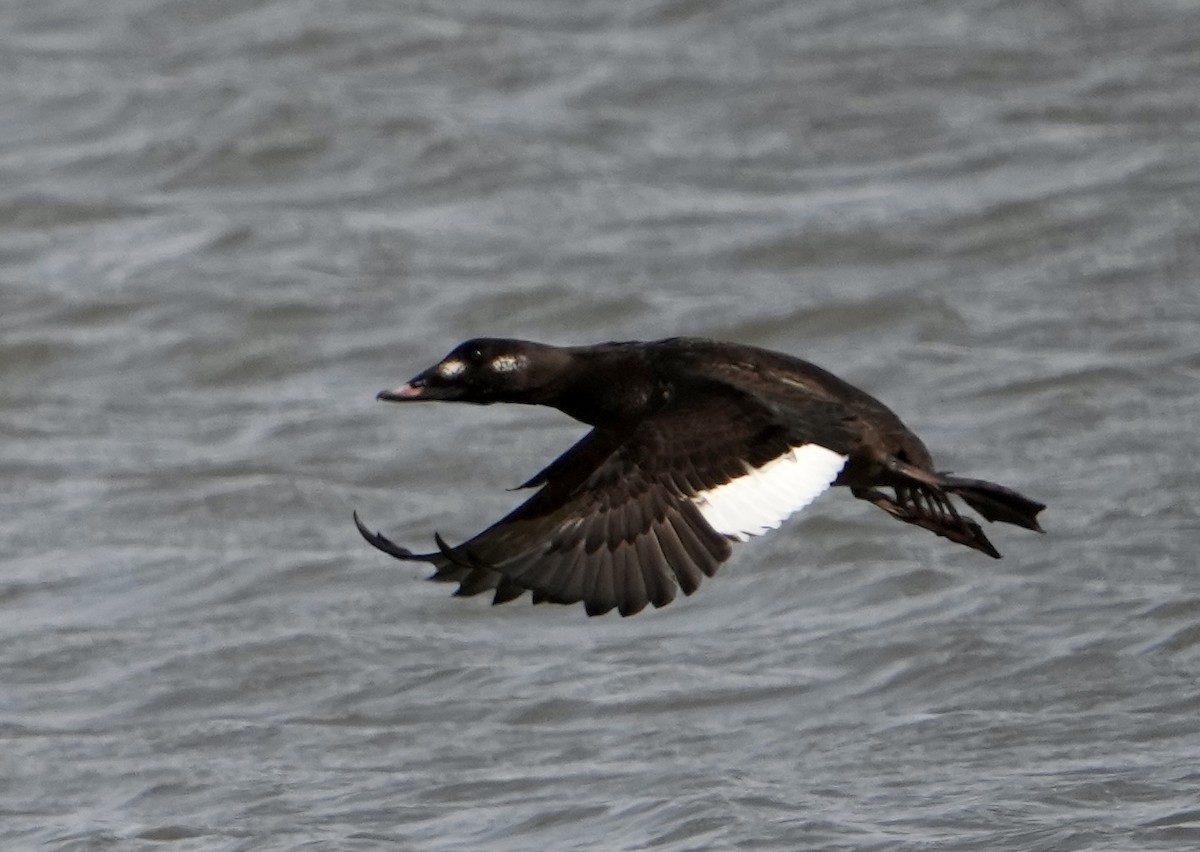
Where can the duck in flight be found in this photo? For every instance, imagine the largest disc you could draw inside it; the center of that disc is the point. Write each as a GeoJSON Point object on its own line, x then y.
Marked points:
{"type": "Point", "coordinates": [695, 444]}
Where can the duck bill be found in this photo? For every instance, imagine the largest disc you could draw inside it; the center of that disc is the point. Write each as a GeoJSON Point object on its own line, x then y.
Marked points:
{"type": "Point", "coordinates": [418, 389]}
{"type": "Point", "coordinates": [407, 392]}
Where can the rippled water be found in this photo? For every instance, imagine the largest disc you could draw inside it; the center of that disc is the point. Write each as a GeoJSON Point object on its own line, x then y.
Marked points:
{"type": "Point", "coordinates": [224, 226]}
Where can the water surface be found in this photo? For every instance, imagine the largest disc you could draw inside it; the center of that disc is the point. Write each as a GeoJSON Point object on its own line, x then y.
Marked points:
{"type": "Point", "coordinates": [224, 227]}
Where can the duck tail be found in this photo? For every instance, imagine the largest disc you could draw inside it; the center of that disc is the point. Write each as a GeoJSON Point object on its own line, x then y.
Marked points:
{"type": "Point", "coordinates": [995, 502]}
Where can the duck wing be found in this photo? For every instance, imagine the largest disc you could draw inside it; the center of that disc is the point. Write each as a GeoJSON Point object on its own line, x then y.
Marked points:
{"type": "Point", "coordinates": [627, 516]}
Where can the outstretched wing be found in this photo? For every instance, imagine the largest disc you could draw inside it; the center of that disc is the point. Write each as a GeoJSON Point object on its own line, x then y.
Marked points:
{"type": "Point", "coordinates": [625, 518]}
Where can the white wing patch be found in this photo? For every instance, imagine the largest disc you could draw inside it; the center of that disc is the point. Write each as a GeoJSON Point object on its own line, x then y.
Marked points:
{"type": "Point", "coordinates": [765, 496]}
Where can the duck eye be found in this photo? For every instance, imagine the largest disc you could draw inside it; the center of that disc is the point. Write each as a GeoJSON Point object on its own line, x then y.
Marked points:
{"type": "Point", "coordinates": [475, 355]}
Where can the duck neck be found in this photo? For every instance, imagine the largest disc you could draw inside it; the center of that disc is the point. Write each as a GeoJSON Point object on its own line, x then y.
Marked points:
{"type": "Point", "coordinates": [606, 389]}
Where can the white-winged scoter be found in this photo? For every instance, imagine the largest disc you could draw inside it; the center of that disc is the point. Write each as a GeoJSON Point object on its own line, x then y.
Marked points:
{"type": "Point", "coordinates": [695, 444]}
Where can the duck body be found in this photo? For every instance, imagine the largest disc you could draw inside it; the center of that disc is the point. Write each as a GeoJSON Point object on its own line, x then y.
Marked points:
{"type": "Point", "coordinates": [695, 444]}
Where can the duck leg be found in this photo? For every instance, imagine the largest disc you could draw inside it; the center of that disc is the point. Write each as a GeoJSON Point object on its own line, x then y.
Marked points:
{"type": "Point", "coordinates": [930, 509]}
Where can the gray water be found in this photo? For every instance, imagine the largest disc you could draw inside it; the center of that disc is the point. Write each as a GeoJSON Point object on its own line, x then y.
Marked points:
{"type": "Point", "coordinates": [225, 225]}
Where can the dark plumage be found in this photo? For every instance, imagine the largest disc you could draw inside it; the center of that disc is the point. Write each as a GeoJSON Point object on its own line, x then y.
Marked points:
{"type": "Point", "coordinates": [695, 444]}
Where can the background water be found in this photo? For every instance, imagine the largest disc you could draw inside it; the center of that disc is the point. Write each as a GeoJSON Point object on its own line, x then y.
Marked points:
{"type": "Point", "coordinates": [225, 225]}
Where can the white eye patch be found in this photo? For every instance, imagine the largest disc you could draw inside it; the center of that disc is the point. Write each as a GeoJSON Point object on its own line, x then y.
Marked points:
{"type": "Point", "coordinates": [506, 363]}
{"type": "Point", "coordinates": [450, 369]}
